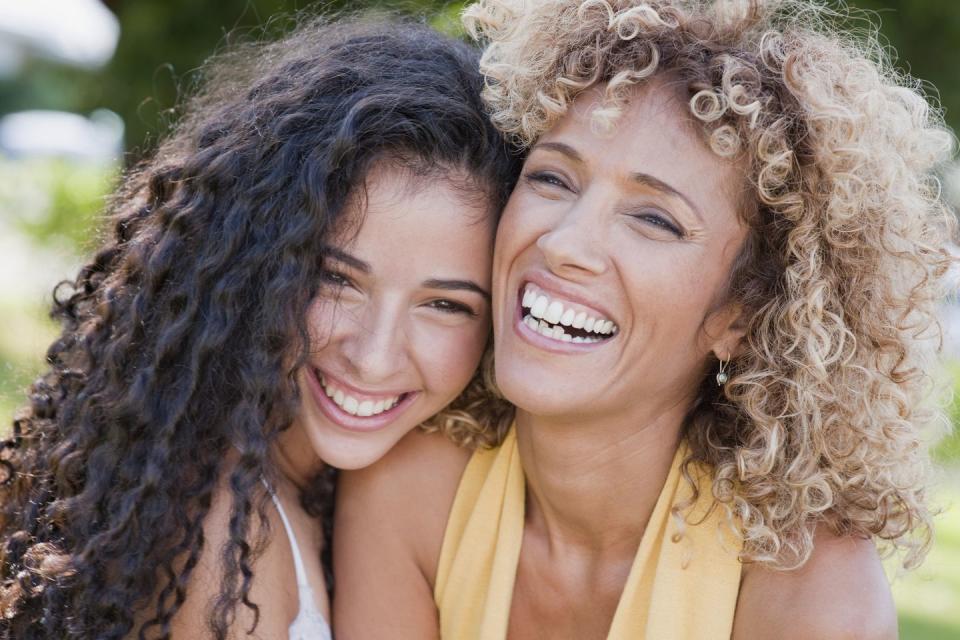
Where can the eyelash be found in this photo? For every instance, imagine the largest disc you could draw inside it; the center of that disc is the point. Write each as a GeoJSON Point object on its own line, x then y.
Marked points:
{"type": "Point", "coordinates": [449, 306]}
{"type": "Point", "coordinates": [335, 278]}
{"type": "Point", "coordinates": [546, 178]}
{"type": "Point", "coordinates": [660, 221]}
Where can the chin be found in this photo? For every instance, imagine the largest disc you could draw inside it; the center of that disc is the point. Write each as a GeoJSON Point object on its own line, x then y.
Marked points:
{"type": "Point", "coordinates": [537, 396]}
{"type": "Point", "coordinates": [352, 456]}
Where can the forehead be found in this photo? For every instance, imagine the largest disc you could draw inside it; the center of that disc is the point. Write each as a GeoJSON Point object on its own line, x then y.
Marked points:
{"type": "Point", "coordinates": [438, 223]}
{"type": "Point", "coordinates": [654, 134]}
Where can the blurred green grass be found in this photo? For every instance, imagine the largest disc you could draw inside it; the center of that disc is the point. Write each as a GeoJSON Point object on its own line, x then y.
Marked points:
{"type": "Point", "coordinates": [25, 333]}
{"type": "Point", "coordinates": [947, 450]}
{"type": "Point", "coordinates": [928, 599]}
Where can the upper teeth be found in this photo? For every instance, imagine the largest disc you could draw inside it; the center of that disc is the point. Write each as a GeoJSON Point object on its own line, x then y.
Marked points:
{"type": "Point", "coordinates": [355, 406]}
{"type": "Point", "coordinates": [551, 310]}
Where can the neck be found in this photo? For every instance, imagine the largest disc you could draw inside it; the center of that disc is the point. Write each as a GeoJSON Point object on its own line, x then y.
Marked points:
{"type": "Point", "coordinates": [593, 484]}
{"type": "Point", "coordinates": [295, 458]}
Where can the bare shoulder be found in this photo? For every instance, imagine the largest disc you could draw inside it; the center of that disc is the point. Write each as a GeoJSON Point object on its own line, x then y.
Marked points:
{"type": "Point", "coordinates": [388, 529]}
{"type": "Point", "coordinates": [841, 592]}
{"type": "Point", "coordinates": [273, 588]}
{"type": "Point", "coordinates": [409, 491]}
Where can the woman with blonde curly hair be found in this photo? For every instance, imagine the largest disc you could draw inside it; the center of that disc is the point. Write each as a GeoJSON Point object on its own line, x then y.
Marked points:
{"type": "Point", "coordinates": [714, 310]}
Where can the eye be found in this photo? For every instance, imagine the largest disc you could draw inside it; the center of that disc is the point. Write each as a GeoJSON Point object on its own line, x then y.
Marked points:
{"type": "Point", "coordinates": [659, 219]}
{"type": "Point", "coordinates": [335, 279]}
{"type": "Point", "coordinates": [451, 306]}
{"type": "Point", "coordinates": [546, 178]}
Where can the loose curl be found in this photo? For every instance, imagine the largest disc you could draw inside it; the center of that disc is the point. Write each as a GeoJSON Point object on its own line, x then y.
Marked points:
{"type": "Point", "coordinates": [181, 337]}
{"type": "Point", "coordinates": [841, 271]}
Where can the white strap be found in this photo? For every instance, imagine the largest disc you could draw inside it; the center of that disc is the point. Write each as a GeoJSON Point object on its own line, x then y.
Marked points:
{"type": "Point", "coordinates": [302, 583]}
{"type": "Point", "coordinates": [309, 623]}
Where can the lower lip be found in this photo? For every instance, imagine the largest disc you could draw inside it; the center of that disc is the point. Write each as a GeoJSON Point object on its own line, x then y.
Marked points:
{"type": "Point", "coordinates": [540, 341]}
{"type": "Point", "coordinates": [350, 422]}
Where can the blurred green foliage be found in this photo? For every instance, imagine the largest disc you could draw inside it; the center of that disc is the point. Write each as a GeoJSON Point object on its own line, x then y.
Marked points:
{"type": "Point", "coordinates": [23, 342]}
{"type": "Point", "coordinates": [163, 42]}
{"type": "Point", "coordinates": [925, 35]}
{"type": "Point", "coordinates": [55, 203]}
{"type": "Point", "coordinates": [52, 206]}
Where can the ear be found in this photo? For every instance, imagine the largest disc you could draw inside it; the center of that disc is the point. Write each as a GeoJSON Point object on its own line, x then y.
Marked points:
{"type": "Point", "coordinates": [725, 329]}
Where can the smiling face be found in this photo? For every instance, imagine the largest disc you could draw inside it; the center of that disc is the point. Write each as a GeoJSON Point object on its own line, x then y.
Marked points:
{"type": "Point", "coordinates": [611, 262]}
{"type": "Point", "coordinates": [400, 322]}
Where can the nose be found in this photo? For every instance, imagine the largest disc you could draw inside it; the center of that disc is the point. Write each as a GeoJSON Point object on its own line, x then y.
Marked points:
{"type": "Point", "coordinates": [573, 246]}
{"type": "Point", "coordinates": [376, 347]}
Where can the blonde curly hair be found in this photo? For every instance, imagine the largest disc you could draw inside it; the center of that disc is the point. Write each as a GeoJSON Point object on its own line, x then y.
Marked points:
{"type": "Point", "coordinates": [821, 420]}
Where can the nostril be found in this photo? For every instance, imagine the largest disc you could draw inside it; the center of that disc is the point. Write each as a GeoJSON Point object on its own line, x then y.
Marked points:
{"type": "Point", "coordinates": [568, 250]}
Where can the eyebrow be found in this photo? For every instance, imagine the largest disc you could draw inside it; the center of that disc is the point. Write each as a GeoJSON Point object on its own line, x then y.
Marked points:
{"type": "Point", "coordinates": [349, 260]}
{"type": "Point", "coordinates": [456, 285]}
{"type": "Point", "coordinates": [644, 179]}
{"type": "Point", "coordinates": [433, 283]}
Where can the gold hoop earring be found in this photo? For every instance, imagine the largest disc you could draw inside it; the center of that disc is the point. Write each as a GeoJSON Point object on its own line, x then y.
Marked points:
{"type": "Point", "coordinates": [722, 375]}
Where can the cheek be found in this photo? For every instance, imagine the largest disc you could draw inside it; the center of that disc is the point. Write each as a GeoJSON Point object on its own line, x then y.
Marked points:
{"type": "Point", "coordinates": [517, 232]}
{"type": "Point", "coordinates": [324, 316]}
{"type": "Point", "coordinates": [449, 358]}
{"type": "Point", "coordinates": [518, 226]}
{"type": "Point", "coordinates": [672, 295]}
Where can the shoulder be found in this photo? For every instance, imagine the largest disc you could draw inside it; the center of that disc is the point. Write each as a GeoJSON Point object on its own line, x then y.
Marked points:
{"type": "Point", "coordinates": [388, 530]}
{"type": "Point", "coordinates": [408, 492]}
{"type": "Point", "coordinates": [841, 592]}
{"type": "Point", "coordinates": [273, 588]}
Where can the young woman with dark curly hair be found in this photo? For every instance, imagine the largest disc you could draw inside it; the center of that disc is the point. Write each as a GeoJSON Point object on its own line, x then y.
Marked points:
{"type": "Point", "coordinates": [715, 294]}
{"type": "Point", "coordinates": [298, 277]}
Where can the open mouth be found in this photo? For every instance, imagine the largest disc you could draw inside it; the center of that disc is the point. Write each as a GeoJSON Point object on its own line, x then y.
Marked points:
{"type": "Point", "coordinates": [562, 320]}
{"type": "Point", "coordinates": [359, 406]}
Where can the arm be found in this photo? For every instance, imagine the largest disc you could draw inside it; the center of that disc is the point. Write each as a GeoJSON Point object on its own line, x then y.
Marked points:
{"type": "Point", "coordinates": [841, 593]}
{"type": "Point", "coordinates": [389, 526]}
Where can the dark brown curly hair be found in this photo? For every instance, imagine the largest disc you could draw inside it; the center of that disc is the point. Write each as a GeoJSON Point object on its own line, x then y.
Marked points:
{"type": "Point", "coordinates": [181, 336]}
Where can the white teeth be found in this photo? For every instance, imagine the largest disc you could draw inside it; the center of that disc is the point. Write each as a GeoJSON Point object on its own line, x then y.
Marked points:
{"type": "Point", "coordinates": [539, 307]}
{"type": "Point", "coordinates": [351, 404]}
{"type": "Point", "coordinates": [554, 312]}
{"type": "Point", "coordinates": [529, 297]}
{"type": "Point", "coordinates": [355, 407]}
{"type": "Point", "coordinates": [556, 332]}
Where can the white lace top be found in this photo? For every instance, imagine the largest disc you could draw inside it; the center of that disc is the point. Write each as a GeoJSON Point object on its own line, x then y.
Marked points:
{"type": "Point", "coordinates": [309, 623]}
